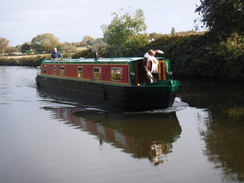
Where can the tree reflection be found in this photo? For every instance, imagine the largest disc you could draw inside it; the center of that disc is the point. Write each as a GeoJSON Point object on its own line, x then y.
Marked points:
{"type": "Point", "coordinates": [224, 140]}
{"type": "Point", "coordinates": [223, 130]}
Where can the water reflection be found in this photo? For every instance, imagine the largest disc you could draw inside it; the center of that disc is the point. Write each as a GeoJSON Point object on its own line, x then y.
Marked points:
{"type": "Point", "coordinates": [224, 141]}
{"type": "Point", "coordinates": [223, 126]}
{"type": "Point", "coordinates": [142, 135]}
{"type": "Point", "coordinates": [218, 96]}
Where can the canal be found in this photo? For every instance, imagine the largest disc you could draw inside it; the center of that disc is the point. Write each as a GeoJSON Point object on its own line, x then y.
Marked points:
{"type": "Point", "coordinates": [42, 139]}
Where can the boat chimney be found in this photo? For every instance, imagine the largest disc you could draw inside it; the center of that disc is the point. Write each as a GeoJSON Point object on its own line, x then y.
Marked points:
{"type": "Point", "coordinates": [96, 56]}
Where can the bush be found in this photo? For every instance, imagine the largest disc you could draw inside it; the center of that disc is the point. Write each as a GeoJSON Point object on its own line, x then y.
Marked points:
{"type": "Point", "coordinates": [204, 55]}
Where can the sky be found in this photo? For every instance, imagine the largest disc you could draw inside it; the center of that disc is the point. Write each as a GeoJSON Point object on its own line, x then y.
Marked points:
{"type": "Point", "coordinates": [71, 20]}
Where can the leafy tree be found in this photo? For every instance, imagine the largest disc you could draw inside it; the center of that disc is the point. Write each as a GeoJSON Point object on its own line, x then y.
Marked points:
{"type": "Point", "coordinates": [11, 50]}
{"type": "Point", "coordinates": [18, 47]}
{"type": "Point", "coordinates": [98, 41]}
{"type": "Point", "coordinates": [38, 48]}
{"type": "Point", "coordinates": [3, 45]}
{"type": "Point", "coordinates": [25, 47]}
{"type": "Point", "coordinates": [125, 33]}
{"type": "Point", "coordinates": [222, 16]}
{"type": "Point", "coordinates": [68, 47]}
{"type": "Point", "coordinates": [45, 42]}
{"type": "Point", "coordinates": [87, 40]}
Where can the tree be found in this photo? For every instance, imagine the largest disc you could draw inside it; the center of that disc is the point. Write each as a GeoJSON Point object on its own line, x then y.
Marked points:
{"type": "Point", "coordinates": [3, 45]}
{"type": "Point", "coordinates": [125, 33]}
{"type": "Point", "coordinates": [98, 41]}
{"type": "Point", "coordinates": [45, 42]}
{"type": "Point", "coordinates": [26, 47]}
{"type": "Point", "coordinates": [87, 40]}
{"type": "Point", "coordinates": [18, 47]}
{"type": "Point", "coordinates": [11, 50]}
{"type": "Point", "coordinates": [67, 47]}
{"type": "Point", "coordinates": [222, 16]}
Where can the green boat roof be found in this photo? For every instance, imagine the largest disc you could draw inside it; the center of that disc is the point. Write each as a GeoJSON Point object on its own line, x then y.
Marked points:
{"type": "Point", "coordinates": [119, 59]}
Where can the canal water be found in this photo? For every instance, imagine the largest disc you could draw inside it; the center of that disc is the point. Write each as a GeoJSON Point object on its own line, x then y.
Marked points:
{"type": "Point", "coordinates": [42, 139]}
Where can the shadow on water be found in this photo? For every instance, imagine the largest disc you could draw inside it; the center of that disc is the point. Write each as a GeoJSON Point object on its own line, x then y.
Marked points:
{"type": "Point", "coordinates": [142, 135]}
{"type": "Point", "coordinates": [223, 128]}
{"type": "Point", "coordinates": [213, 95]}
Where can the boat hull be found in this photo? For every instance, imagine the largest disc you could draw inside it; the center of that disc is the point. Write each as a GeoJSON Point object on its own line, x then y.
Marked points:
{"type": "Point", "coordinates": [123, 97]}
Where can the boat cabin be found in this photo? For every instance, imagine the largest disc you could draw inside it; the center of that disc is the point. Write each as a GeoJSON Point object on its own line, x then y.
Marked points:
{"type": "Point", "coordinates": [124, 71]}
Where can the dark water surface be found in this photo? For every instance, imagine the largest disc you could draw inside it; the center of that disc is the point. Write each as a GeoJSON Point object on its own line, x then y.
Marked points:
{"type": "Point", "coordinates": [44, 140]}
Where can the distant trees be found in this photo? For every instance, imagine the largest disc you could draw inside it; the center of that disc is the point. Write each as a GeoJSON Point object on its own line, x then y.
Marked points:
{"type": "Point", "coordinates": [125, 33]}
{"type": "Point", "coordinates": [44, 43]}
{"type": "Point", "coordinates": [222, 17]}
{"type": "Point", "coordinates": [87, 40]}
{"type": "Point", "coordinates": [26, 47]}
{"type": "Point", "coordinates": [68, 47]}
{"type": "Point", "coordinates": [3, 45]}
{"type": "Point", "coordinates": [11, 50]}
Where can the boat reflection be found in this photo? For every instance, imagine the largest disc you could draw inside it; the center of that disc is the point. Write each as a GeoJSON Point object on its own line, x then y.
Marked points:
{"type": "Point", "coordinates": [142, 135]}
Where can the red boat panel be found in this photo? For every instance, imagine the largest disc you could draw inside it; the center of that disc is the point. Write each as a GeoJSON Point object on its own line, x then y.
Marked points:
{"type": "Point", "coordinates": [71, 71]}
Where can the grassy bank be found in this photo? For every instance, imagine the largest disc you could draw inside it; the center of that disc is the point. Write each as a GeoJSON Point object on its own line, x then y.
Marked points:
{"type": "Point", "coordinates": [28, 60]}
{"type": "Point", "coordinates": [23, 60]}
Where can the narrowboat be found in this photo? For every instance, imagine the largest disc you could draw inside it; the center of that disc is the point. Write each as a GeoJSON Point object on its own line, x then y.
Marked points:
{"type": "Point", "coordinates": [114, 82]}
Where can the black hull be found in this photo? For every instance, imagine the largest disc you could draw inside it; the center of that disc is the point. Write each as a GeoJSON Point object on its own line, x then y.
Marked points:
{"type": "Point", "coordinates": [125, 98]}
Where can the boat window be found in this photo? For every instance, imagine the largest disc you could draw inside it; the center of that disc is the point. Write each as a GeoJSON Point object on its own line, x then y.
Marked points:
{"type": "Point", "coordinates": [97, 72]}
{"type": "Point", "coordinates": [54, 70]}
{"type": "Point", "coordinates": [79, 72]}
{"type": "Point", "coordinates": [62, 71]}
{"type": "Point", "coordinates": [45, 69]}
{"type": "Point", "coordinates": [116, 74]}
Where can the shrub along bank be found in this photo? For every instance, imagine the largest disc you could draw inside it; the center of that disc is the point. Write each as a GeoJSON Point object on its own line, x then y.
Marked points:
{"type": "Point", "coordinates": [193, 56]}
{"type": "Point", "coordinates": [204, 55]}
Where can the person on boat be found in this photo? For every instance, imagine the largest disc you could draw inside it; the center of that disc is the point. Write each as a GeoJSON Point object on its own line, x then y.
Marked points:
{"type": "Point", "coordinates": [150, 65]}
{"type": "Point", "coordinates": [56, 54]}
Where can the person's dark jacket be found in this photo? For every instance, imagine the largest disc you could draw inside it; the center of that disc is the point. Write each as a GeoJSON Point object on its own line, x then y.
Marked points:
{"type": "Point", "coordinates": [55, 55]}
